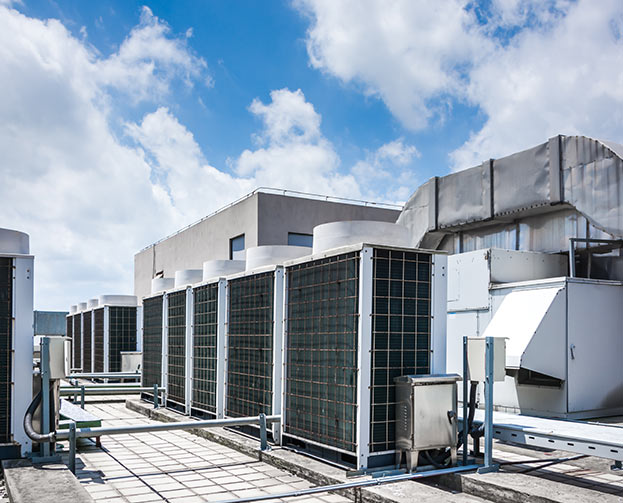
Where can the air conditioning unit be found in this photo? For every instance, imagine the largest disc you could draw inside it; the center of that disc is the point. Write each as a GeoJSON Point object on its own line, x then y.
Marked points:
{"type": "Point", "coordinates": [153, 330]}
{"type": "Point", "coordinates": [254, 336]}
{"type": "Point", "coordinates": [357, 317]}
{"type": "Point", "coordinates": [16, 341]}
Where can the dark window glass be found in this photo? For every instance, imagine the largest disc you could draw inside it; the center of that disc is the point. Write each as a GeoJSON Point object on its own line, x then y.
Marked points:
{"type": "Point", "coordinates": [298, 239]}
{"type": "Point", "coordinates": [236, 247]}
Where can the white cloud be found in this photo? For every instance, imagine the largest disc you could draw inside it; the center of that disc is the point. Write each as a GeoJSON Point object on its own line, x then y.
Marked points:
{"type": "Point", "coordinates": [534, 68]}
{"type": "Point", "coordinates": [293, 153]}
{"type": "Point", "coordinates": [85, 197]}
{"type": "Point", "coordinates": [407, 52]}
{"type": "Point", "coordinates": [90, 197]}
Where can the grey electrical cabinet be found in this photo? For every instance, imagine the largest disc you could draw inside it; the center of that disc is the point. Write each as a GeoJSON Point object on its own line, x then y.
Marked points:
{"type": "Point", "coordinates": [426, 415]}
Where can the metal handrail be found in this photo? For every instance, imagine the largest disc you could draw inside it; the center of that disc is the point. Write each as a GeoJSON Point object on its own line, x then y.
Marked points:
{"type": "Point", "coordinates": [74, 433]}
{"type": "Point", "coordinates": [285, 192]}
{"type": "Point", "coordinates": [104, 375]}
{"type": "Point", "coordinates": [107, 391]}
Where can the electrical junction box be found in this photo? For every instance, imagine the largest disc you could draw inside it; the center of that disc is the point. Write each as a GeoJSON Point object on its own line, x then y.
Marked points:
{"type": "Point", "coordinates": [476, 358]}
{"type": "Point", "coordinates": [59, 357]}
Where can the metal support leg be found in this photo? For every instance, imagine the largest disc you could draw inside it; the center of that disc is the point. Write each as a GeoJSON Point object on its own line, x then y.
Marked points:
{"type": "Point", "coordinates": [82, 396]}
{"type": "Point", "coordinates": [156, 396]}
{"type": "Point", "coordinates": [72, 447]}
{"type": "Point", "coordinates": [488, 440]}
{"type": "Point", "coordinates": [263, 434]}
{"type": "Point", "coordinates": [45, 393]}
{"type": "Point", "coordinates": [465, 395]}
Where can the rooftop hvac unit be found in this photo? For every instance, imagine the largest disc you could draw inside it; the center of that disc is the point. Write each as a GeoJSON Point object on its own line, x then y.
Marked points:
{"type": "Point", "coordinates": [357, 317]}
{"type": "Point", "coordinates": [208, 349]}
{"type": "Point", "coordinates": [176, 359]}
{"type": "Point", "coordinates": [254, 336]}
{"type": "Point", "coordinates": [16, 341]}
{"type": "Point", "coordinates": [77, 341]}
{"type": "Point", "coordinates": [109, 329]}
{"type": "Point", "coordinates": [87, 341]}
{"type": "Point", "coordinates": [153, 328]}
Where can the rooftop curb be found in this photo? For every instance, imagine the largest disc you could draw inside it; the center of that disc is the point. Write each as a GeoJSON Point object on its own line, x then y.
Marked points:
{"type": "Point", "coordinates": [50, 483]}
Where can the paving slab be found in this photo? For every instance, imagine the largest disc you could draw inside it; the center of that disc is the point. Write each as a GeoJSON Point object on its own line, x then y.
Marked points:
{"type": "Point", "coordinates": [49, 483]}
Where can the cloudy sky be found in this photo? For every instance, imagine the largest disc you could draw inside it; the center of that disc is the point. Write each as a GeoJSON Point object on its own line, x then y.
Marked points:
{"type": "Point", "coordinates": [122, 121]}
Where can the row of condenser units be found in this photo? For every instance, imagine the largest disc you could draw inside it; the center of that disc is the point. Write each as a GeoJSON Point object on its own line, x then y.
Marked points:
{"type": "Point", "coordinates": [318, 340]}
{"type": "Point", "coordinates": [101, 330]}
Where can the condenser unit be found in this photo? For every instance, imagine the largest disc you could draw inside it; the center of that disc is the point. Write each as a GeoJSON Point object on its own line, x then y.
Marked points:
{"type": "Point", "coordinates": [254, 333]}
{"type": "Point", "coordinates": [153, 328]}
{"type": "Point", "coordinates": [112, 326]}
{"type": "Point", "coordinates": [16, 341]}
{"type": "Point", "coordinates": [70, 332]}
{"type": "Point", "coordinates": [357, 317]}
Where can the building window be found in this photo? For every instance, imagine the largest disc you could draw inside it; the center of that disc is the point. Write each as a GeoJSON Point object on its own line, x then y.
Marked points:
{"type": "Point", "coordinates": [236, 248]}
{"type": "Point", "coordinates": [298, 239]}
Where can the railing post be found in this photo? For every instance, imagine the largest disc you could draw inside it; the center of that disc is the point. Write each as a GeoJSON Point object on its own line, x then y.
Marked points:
{"type": "Point", "coordinates": [263, 435]}
{"type": "Point", "coordinates": [156, 396]}
{"type": "Point", "coordinates": [72, 447]}
{"type": "Point", "coordinates": [82, 396]}
{"type": "Point", "coordinates": [489, 379]}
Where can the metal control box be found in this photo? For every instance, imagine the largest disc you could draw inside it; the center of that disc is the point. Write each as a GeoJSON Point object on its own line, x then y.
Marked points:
{"type": "Point", "coordinates": [426, 415]}
{"type": "Point", "coordinates": [476, 360]}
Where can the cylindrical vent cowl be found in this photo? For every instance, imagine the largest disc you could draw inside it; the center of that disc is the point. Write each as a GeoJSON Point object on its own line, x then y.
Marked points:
{"type": "Point", "coordinates": [187, 277]}
{"type": "Point", "coordinates": [216, 268]}
{"type": "Point", "coordinates": [73, 309]}
{"type": "Point", "coordinates": [159, 285]}
{"type": "Point", "coordinates": [118, 300]}
{"type": "Point", "coordinates": [92, 303]}
{"type": "Point", "coordinates": [336, 234]}
{"type": "Point", "coordinates": [82, 306]}
{"type": "Point", "coordinates": [260, 256]}
{"type": "Point", "coordinates": [14, 242]}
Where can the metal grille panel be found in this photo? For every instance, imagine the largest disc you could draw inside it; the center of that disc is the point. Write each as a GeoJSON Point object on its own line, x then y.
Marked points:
{"type": "Point", "coordinates": [86, 341]}
{"type": "Point", "coordinates": [205, 330]}
{"type": "Point", "coordinates": [69, 331]}
{"type": "Point", "coordinates": [400, 333]}
{"type": "Point", "coordinates": [77, 341]}
{"type": "Point", "coordinates": [121, 334]}
{"type": "Point", "coordinates": [98, 340]}
{"type": "Point", "coordinates": [250, 345]}
{"type": "Point", "coordinates": [152, 341]}
{"type": "Point", "coordinates": [176, 372]}
{"type": "Point", "coordinates": [322, 341]}
{"type": "Point", "coordinates": [6, 347]}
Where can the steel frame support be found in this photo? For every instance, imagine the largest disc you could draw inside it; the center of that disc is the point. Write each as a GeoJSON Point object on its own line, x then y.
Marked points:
{"type": "Point", "coordinates": [364, 348]}
{"type": "Point", "coordinates": [221, 351]}
{"type": "Point", "coordinates": [278, 323]}
{"type": "Point", "coordinates": [188, 348]}
{"type": "Point", "coordinates": [465, 398]}
{"type": "Point", "coordinates": [489, 466]}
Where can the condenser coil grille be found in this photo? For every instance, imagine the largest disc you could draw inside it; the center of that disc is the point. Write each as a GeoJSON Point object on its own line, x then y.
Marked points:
{"type": "Point", "coordinates": [86, 341]}
{"type": "Point", "coordinates": [250, 345]}
{"type": "Point", "coordinates": [176, 379]}
{"type": "Point", "coordinates": [322, 331]}
{"type": "Point", "coordinates": [98, 340]}
{"type": "Point", "coordinates": [205, 348]}
{"type": "Point", "coordinates": [6, 347]}
{"type": "Point", "coordinates": [77, 341]}
{"type": "Point", "coordinates": [69, 331]}
{"type": "Point", "coordinates": [121, 335]}
{"type": "Point", "coordinates": [400, 333]}
{"type": "Point", "coordinates": [152, 342]}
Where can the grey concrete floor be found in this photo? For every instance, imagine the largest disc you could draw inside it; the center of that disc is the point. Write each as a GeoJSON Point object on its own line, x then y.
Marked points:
{"type": "Point", "coordinates": [174, 466]}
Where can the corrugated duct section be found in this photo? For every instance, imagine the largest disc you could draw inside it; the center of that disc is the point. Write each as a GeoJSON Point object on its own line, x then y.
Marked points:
{"type": "Point", "coordinates": [576, 171]}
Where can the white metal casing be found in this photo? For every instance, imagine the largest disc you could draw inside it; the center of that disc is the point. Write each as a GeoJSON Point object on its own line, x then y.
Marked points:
{"type": "Point", "coordinates": [22, 308]}
{"type": "Point", "coordinates": [190, 323]}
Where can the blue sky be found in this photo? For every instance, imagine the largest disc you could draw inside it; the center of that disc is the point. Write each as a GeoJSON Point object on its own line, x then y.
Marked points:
{"type": "Point", "coordinates": [124, 121]}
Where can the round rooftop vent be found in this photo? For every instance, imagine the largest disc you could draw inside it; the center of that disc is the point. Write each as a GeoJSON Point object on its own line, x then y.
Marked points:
{"type": "Point", "coordinates": [336, 234]}
{"type": "Point", "coordinates": [82, 306]}
{"type": "Point", "coordinates": [217, 268]}
{"type": "Point", "coordinates": [162, 284]}
{"type": "Point", "coordinates": [273, 255]}
{"type": "Point", "coordinates": [91, 303]}
{"type": "Point", "coordinates": [188, 277]}
{"type": "Point", "coordinates": [14, 242]}
{"type": "Point", "coordinates": [118, 300]}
